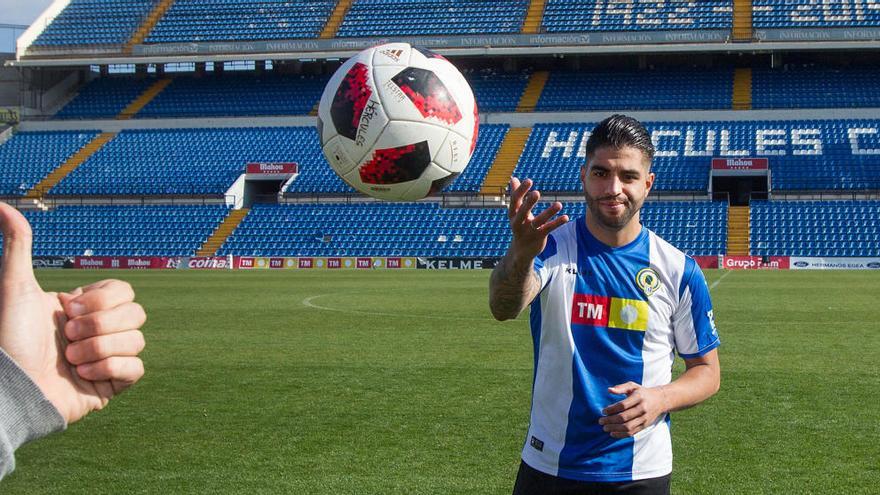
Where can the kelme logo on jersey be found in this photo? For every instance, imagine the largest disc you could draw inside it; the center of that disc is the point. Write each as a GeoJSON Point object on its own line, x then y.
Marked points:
{"type": "Point", "coordinates": [613, 312]}
{"type": "Point", "coordinates": [648, 280]}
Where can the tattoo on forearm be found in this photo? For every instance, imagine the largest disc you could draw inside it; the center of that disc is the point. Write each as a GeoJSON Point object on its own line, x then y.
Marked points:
{"type": "Point", "coordinates": [511, 289]}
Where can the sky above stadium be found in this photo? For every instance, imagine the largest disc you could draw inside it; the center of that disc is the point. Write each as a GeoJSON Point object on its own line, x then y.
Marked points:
{"type": "Point", "coordinates": [21, 11]}
{"type": "Point", "coordinates": [18, 12]}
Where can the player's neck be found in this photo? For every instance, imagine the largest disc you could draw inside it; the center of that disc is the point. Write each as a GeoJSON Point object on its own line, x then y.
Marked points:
{"type": "Point", "coordinates": [614, 237]}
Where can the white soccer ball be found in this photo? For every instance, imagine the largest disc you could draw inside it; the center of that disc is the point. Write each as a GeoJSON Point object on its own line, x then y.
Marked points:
{"type": "Point", "coordinates": [398, 122]}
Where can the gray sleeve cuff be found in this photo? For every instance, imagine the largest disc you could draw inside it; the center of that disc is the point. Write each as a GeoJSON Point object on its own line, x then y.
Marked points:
{"type": "Point", "coordinates": [25, 413]}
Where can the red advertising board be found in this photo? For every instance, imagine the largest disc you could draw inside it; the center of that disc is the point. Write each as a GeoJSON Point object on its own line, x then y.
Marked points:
{"type": "Point", "coordinates": [122, 263]}
{"type": "Point", "coordinates": [740, 164]}
{"type": "Point", "coordinates": [334, 263]}
{"type": "Point", "coordinates": [306, 262]}
{"type": "Point", "coordinates": [706, 261]}
{"type": "Point", "coordinates": [271, 168]}
{"type": "Point", "coordinates": [755, 262]}
{"type": "Point", "coordinates": [364, 263]}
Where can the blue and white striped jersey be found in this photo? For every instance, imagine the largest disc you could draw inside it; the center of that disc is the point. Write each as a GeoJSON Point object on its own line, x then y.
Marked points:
{"type": "Point", "coordinates": [606, 316]}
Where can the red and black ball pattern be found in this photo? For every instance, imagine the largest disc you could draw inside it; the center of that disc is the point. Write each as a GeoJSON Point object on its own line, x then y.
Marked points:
{"type": "Point", "coordinates": [428, 94]}
{"type": "Point", "coordinates": [396, 165]}
{"type": "Point", "coordinates": [350, 100]}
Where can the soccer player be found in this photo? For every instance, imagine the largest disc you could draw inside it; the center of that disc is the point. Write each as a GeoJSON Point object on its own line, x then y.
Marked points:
{"type": "Point", "coordinates": [62, 356]}
{"type": "Point", "coordinates": [611, 304]}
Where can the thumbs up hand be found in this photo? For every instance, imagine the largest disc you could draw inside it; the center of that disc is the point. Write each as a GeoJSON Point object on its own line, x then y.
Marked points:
{"type": "Point", "coordinates": [80, 348]}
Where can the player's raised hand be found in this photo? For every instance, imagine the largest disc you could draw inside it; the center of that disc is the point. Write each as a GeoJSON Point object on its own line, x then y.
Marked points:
{"type": "Point", "coordinates": [100, 321]}
{"type": "Point", "coordinates": [530, 231]}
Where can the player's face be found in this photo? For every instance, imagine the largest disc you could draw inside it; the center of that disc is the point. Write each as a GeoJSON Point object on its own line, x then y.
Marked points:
{"type": "Point", "coordinates": [616, 183]}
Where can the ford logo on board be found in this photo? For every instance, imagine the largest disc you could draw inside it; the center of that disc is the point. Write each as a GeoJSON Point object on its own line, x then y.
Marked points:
{"type": "Point", "coordinates": [801, 264]}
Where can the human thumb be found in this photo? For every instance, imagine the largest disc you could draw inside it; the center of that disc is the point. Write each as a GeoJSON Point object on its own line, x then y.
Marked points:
{"type": "Point", "coordinates": [16, 267]}
{"type": "Point", "coordinates": [624, 388]}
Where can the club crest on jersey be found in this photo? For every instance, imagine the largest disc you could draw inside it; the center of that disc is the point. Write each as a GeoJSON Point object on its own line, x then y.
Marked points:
{"type": "Point", "coordinates": [648, 280]}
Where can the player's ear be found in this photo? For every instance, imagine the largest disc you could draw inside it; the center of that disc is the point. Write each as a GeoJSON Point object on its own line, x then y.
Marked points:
{"type": "Point", "coordinates": [583, 174]}
{"type": "Point", "coordinates": [649, 182]}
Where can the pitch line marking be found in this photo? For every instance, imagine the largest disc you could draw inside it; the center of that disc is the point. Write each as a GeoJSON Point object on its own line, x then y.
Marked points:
{"type": "Point", "coordinates": [308, 302]}
{"type": "Point", "coordinates": [715, 283]}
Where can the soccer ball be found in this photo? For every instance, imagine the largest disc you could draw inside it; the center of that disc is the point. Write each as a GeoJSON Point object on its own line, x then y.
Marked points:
{"type": "Point", "coordinates": [398, 122]}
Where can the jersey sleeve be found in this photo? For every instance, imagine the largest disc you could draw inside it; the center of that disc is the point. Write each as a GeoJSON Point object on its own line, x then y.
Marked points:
{"type": "Point", "coordinates": [543, 263]}
{"type": "Point", "coordinates": [693, 320]}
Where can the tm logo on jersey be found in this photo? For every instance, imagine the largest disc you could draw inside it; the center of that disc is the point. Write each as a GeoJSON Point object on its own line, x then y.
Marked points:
{"type": "Point", "coordinates": [613, 312]}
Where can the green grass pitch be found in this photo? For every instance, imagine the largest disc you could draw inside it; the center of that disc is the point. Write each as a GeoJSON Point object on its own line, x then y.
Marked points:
{"type": "Point", "coordinates": [387, 382]}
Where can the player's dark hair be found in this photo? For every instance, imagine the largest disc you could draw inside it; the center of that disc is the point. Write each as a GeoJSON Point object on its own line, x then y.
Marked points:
{"type": "Point", "coordinates": [619, 131]}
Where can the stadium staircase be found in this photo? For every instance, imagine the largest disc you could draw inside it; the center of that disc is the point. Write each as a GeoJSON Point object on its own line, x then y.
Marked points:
{"type": "Point", "coordinates": [335, 19]}
{"type": "Point", "coordinates": [529, 99]}
{"type": "Point", "coordinates": [738, 227]}
{"type": "Point", "coordinates": [77, 159]}
{"type": "Point", "coordinates": [742, 89]}
{"type": "Point", "coordinates": [149, 23]}
{"type": "Point", "coordinates": [141, 101]}
{"type": "Point", "coordinates": [534, 17]}
{"type": "Point", "coordinates": [742, 20]}
{"type": "Point", "coordinates": [505, 162]}
{"type": "Point", "coordinates": [224, 230]}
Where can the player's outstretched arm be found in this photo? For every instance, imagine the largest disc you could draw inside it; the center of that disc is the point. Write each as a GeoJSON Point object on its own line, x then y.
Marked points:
{"type": "Point", "coordinates": [79, 349]}
{"type": "Point", "coordinates": [514, 282]}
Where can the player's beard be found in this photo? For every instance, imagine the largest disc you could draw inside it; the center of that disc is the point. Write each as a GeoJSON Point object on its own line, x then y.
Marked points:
{"type": "Point", "coordinates": [613, 223]}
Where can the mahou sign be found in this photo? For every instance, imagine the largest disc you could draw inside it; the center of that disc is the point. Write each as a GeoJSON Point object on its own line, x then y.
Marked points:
{"type": "Point", "coordinates": [271, 168]}
{"type": "Point", "coordinates": [740, 164]}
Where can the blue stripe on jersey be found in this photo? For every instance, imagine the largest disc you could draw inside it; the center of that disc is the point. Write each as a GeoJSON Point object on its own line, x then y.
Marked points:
{"type": "Point", "coordinates": [701, 310]}
{"type": "Point", "coordinates": [603, 357]}
{"type": "Point", "coordinates": [535, 323]}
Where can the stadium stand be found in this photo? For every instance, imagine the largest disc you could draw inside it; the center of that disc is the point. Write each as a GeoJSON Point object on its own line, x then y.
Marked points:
{"type": "Point", "coordinates": [427, 17]}
{"type": "Point", "coordinates": [803, 155]}
{"type": "Point", "coordinates": [28, 157]}
{"type": "Point", "coordinates": [95, 22]}
{"type": "Point", "coordinates": [241, 20]}
{"type": "Point", "coordinates": [321, 179]}
{"type": "Point", "coordinates": [115, 230]}
{"type": "Point", "coordinates": [768, 14]}
{"type": "Point", "coordinates": [816, 87]}
{"type": "Point", "coordinates": [497, 92]}
{"type": "Point", "coordinates": [704, 89]}
{"type": "Point", "coordinates": [186, 161]}
{"type": "Point", "coordinates": [562, 16]}
{"type": "Point", "coordinates": [488, 143]}
{"type": "Point", "coordinates": [247, 94]}
{"type": "Point", "coordinates": [237, 95]}
{"type": "Point", "coordinates": [425, 229]}
{"type": "Point", "coordinates": [815, 228]}
{"type": "Point", "coordinates": [104, 98]}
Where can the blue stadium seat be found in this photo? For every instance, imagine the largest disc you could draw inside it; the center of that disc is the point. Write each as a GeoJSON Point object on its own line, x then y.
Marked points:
{"type": "Point", "coordinates": [703, 89]}
{"type": "Point", "coordinates": [241, 20]}
{"type": "Point", "coordinates": [562, 16]}
{"type": "Point", "coordinates": [28, 157]}
{"type": "Point", "coordinates": [770, 14]}
{"type": "Point", "coordinates": [147, 230]}
{"type": "Point", "coordinates": [803, 154]}
{"type": "Point", "coordinates": [425, 229]}
{"type": "Point", "coordinates": [187, 161]}
{"type": "Point", "coordinates": [95, 22]}
{"type": "Point", "coordinates": [368, 18]}
{"type": "Point", "coordinates": [815, 228]}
